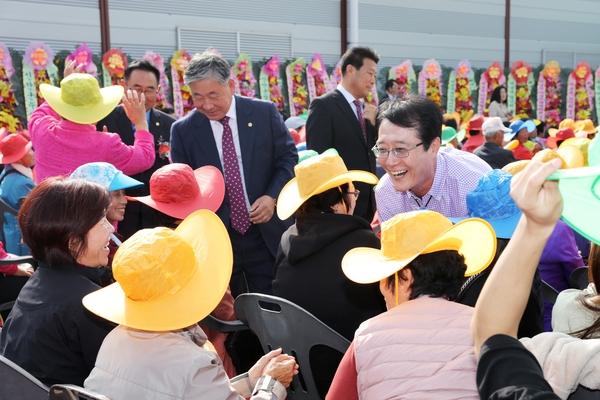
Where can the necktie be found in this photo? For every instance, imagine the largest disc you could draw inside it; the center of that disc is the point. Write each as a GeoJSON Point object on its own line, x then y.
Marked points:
{"type": "Point", "coordinates": [240, 221]}
{"type": "Point", "coordinates": [361, 120]}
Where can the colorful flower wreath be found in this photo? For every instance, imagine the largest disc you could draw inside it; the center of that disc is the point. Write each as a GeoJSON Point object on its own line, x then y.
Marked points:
{"type": "Point", "coordinates": [336, 74]}
{"type": "Point", "coordinates": [460, 86]}
{"type": "Point", "coordinates": [317, 79]}
{"type": "Point", "coordinates": [520, 85]}
{"type": "Point", "coordinates": [114, 63]}
{"type": "Point", "coordinates": [269, 83]}
{"type": "Point", "coordinates": [548, 94]}
{"type": "Point", "coordinates": [38, 68]}
{"type": "Point", "coordinates": [182, 96]}
{"type": "Point", "coordinates": [8, 102]}
{"type": "Point", "coordinates": [83, 56]}
{"type": "Point", "coordinates": [490, 80]}
{"type": "Point", "coordinates": [162, 96]}
{"type": "Point", "coordinates": [580, 92]}
{"type": "Point", "coordinates": [430, 81]}
{"type": "Point", "coordinates": [245, 76]}
{"type": "Point", "coordinates": [404, 75]}
{"type": "Point", "coordinates": [296, 88]}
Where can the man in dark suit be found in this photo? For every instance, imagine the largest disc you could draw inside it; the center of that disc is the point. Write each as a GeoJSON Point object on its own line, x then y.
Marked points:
{"type": "Point", "coordinates": [492, 151]}
{"type": "Point", "coordinates": [391, 91]}
{"type": "Point", "coordinates": [341, 120]}
{"type": "Point", "coordinates": [248, 141]}
{"type": "Point", "coordinates": [143, 77]}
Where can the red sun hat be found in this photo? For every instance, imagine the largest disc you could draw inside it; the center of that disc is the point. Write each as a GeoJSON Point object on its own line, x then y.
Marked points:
{"type": "Point", "coordinates": [178, 191]}
{"type": "Point", "coordinates": [475, 123]}
{"type": "Point", "coordinates": [13, 147]}
{"type": "Point", "coordinates": [561, 134]}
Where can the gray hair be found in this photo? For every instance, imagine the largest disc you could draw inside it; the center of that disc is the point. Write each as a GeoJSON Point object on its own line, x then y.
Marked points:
{"type": "Point", "coordinates": [207, 65]}
{"type": "Point", "coordinates": [490, 135]}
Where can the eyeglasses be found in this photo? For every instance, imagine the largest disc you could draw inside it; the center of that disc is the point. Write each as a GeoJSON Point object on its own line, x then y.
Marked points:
{"type": "Point", "coordinates": [399, 152]}
{"type": "Point", "coordinates": [147, 92]}
{"type": "Point", "coordinates": [355, 194]}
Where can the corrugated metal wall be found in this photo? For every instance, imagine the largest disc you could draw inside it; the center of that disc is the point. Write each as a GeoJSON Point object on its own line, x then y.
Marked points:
{"type": "Point", "coordinates": [448, 30]}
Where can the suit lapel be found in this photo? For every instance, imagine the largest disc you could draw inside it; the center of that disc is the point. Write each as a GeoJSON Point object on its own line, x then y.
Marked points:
{"type": "Point", "coordinates": [125, 127]}
{"type": "Point", "coordinates": [245, 125]}
{"type": "Point", "coordinates": [344, 106]}
{"type": "Point", "coordinates": [206, 140]}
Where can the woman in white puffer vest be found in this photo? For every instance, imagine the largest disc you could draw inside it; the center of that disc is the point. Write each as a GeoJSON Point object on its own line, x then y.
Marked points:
{"type": "Point", "coordinates": [421, 348]}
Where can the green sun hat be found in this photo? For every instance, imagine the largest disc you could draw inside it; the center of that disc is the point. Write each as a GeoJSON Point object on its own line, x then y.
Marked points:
{"type": "Point", "coordinates": [449, 133]}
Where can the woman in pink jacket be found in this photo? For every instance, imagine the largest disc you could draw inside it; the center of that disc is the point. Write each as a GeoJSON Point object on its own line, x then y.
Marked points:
{"type": "Point", "coordinates": [421, 348]}
{"type": "Point", "coordinates": [64, 136]}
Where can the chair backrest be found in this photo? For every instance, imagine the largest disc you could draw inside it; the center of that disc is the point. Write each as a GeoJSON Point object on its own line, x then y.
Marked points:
{"type": "Point", "coordinates": [14, 260]}
{"type": "Point", "coordinates": [74, 392]}
{"type": "Point", "coordinates": [16, 383]}
{"type": "Point", "coordinates": [579, 278]}
{"type": "Point", "coordinates": [549, 293]}
{"type": "Point", "coordinates": [280, 323]}
{"type": "Point", "coordinates": [583, 393]}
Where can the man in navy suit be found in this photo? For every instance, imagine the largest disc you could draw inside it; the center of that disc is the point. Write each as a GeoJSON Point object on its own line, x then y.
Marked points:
{"type": "Point", "coordinates": [248, 141]}
{"type": "Point", "coordinates": [340, 119]}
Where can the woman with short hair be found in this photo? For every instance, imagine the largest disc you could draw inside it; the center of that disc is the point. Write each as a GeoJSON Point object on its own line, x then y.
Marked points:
{"type": "Point", "coordinates": [49, 333]}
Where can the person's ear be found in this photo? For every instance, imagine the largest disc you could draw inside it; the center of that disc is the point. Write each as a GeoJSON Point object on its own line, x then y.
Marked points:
{"type": "Point", "coordinates": [435, 145]}
{"type": "Point", "coordinates": [405, 280]}
{"type": "Point", "coordinates": [231, 85]}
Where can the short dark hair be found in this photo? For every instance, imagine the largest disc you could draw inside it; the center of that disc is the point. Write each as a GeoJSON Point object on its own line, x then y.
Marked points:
{"type": "Point", "coordinates": [496, 94]}
{"type": "Point", "coordinates": [322, 202]}
{"type": "Point", "coordinates": [451, 122]}
{"type": "Point", "coordinates": [356, 57]}
{"type": "Point", "coordinates": [57, 216]}
{"type": "Point", "coordinates": [389, 83]}
{"type": "Point", "coordinates": [437, 274]}
{"type": "Point", "coordinates": [415, 111]}
{"type": "Point", "coordinates": [142, 65]}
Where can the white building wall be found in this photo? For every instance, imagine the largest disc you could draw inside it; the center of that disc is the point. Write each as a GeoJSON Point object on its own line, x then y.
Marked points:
{"type": "Point", "coordinates": [447, 30]}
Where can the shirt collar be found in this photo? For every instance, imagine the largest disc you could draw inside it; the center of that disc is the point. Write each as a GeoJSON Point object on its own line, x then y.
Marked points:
{"type": "Point", "coordinates": [349, 98]}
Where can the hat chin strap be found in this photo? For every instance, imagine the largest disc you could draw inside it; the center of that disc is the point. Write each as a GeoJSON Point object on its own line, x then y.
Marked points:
{"type": "Point", "coordinates": [396, 282]}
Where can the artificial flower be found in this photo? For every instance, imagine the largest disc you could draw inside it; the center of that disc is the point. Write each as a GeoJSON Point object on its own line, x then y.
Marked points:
{"type": "Point", "coordinates": [37, 55]}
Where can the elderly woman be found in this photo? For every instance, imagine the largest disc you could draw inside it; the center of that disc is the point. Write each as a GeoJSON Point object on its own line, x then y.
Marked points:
{"type": "Point", "coordinates": [49, 333]}
{"type": "Point", "coordinates": [421, 347]}
{"type": "Point", "coordinates": [63, 134]}
{"type": "Point", "coordinates": [308, 268]}
{"type": "Point", "coordinates": [157, 350]}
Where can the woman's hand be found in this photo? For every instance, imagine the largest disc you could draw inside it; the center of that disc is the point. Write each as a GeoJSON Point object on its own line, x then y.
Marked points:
{"type": "Point", "coordinates": [24, 270]}
{"type": "Point", "coordinates": [135, 108]}
{"type": "Point", "coordinates": [276, 365]}
{"type": "Point", "coordinates": [71, 68]}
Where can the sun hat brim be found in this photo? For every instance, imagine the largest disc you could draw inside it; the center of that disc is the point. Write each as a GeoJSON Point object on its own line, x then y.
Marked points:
{"type": "Point", "coordinates": [474, 238]}
{"type": "Point", "coordinates": [122, 181]}
{"type": "Point", "coordinates": [212, 192]}
{"type": "Point", "coordinates": [207, 235]}
{"type": "Point", "coordinates": [17, 156]}
{"type": "Point", "coordinates": [83, 115]}
{"type": "Point", "coordinates": [504, 228]}
{"type": "Point", "coordinates": [290, 199]}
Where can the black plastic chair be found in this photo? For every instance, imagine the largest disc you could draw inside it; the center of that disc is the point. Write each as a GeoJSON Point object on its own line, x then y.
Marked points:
{"type": "Point", "coordinates": [583, 393]}
{"type": "Point", "coordinates": [549, 293]}
{"type": "Point", "coordinates": [280, 323]}
{"type": "Point", "coordinates": [74, 392]}
{"type": "Point", "coordinates": [224, 326]}
{"type": "Point", "coordinates": [579, 278]}
{"type": "Point", "coordinates": [15, 260]}
{"type": "Point", "coordinates": [16, 383]}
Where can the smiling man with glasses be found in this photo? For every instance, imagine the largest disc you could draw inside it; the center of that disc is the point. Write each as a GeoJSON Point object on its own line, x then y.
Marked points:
{"type": "Point", "coordinates": [420, 174]}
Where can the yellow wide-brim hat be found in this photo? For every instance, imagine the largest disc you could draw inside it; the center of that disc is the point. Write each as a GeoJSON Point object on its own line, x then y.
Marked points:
{"type": "Point", "coordinates": [167, 280]}
{"type": "Point", "coordinates": [80, 99]}
{"type": "Point", "coordinates": [316, 174]}
{"type": "Point", "coordinates": [408, 235]}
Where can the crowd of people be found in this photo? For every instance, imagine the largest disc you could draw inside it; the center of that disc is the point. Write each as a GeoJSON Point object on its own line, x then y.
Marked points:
{"type": "Point", "coordinates": [423, 240]}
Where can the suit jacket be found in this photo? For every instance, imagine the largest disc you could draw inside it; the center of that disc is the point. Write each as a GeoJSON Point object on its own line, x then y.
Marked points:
{"type": "Point", "coordinates": [494, 155]}
{"type": "Point", "coordinates": [268, 155]}
{"type": "Point", "coordinates": [136, 215]}
{"type": "Point", "coordinates": [331, 123]}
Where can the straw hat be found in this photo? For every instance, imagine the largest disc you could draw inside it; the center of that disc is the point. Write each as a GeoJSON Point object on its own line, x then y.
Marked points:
{"type": "Point", "coordinates": [408, 235]}
{"type": "Point", "coordinates": [80, 99]}
{"type": "Point", "coordinates": [565, 123]}
{"type": "Point", "coordinates": [106, 175]}
{"type": "Point", "coordinates": [167, 280]}
{"type": "Point", "coordinates": [585, 126]}
{"type": "Point", "coordinates": [561, 134]}
{"type": "Point", "coordinates": [178, 191]}
{"type": "Point", "coordinates": [13, 147]}
{"type": "Point", "coordinates": [316, 173]}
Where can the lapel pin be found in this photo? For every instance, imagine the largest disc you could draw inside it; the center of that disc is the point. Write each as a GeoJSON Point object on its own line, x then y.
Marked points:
{"type": "Point", "coordinates": [249, 124]}
{"type": "Point", "coordinates": [157, 123]}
